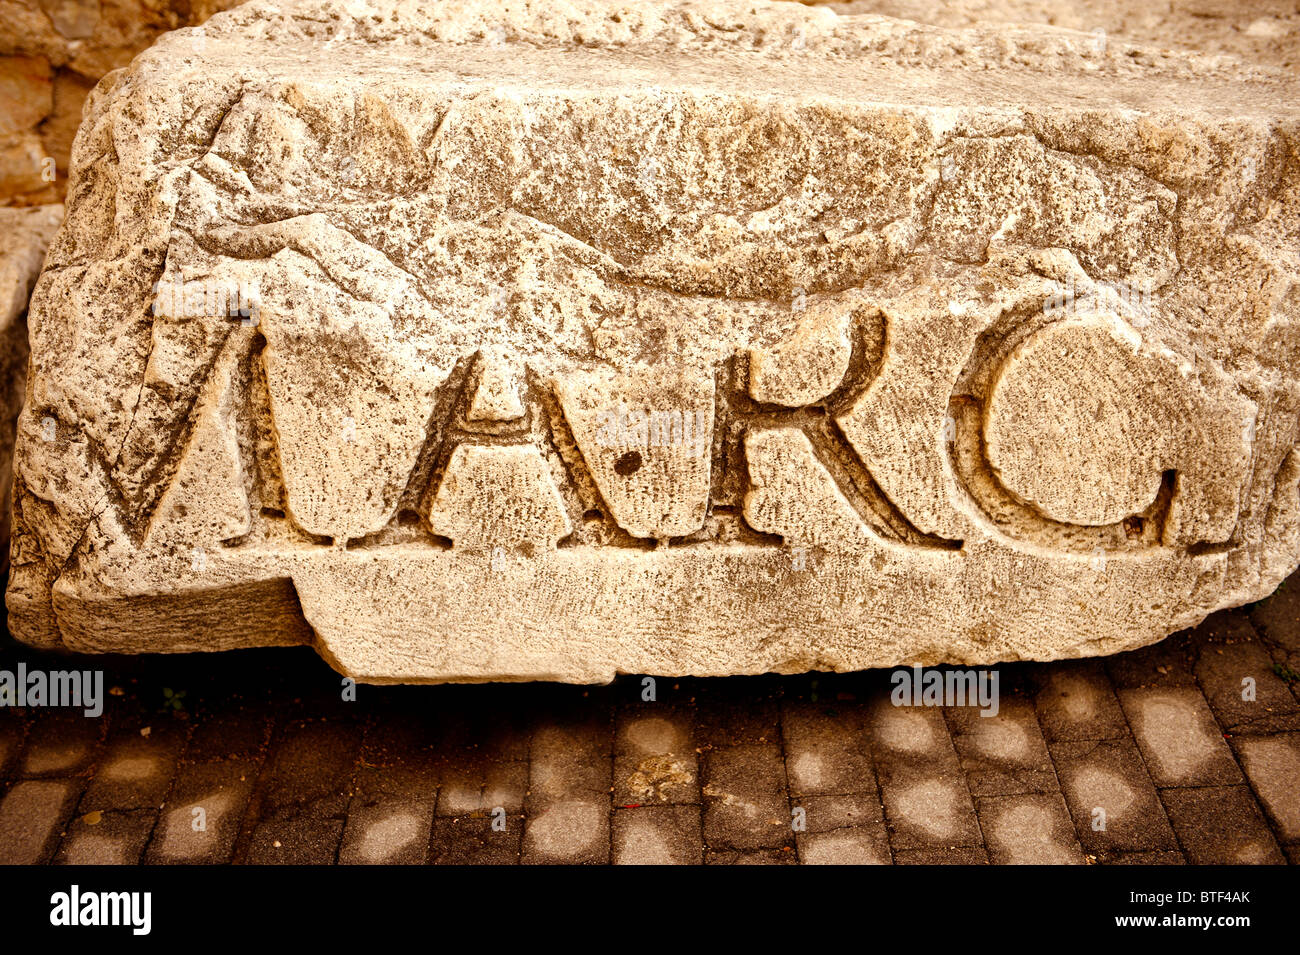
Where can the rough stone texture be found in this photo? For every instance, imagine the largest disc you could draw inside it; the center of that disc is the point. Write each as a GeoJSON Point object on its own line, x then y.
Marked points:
{"type": "Point", "coordinates": [30, 816]}
{"type": "Point", "coordinates": [52, 52]}
{"type": "Point", "coordinates": [687, 338]}
{"type": "Point", "coordinates": [1262, 31]}
{"type": "Point", "coordinates": [25, 234]}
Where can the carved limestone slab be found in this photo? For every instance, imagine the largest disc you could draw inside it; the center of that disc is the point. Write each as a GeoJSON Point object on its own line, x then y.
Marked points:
{"type": "Point", "coordinates": [479, 341]}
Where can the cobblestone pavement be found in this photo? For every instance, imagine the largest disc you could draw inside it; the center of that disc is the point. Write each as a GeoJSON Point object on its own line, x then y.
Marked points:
{"type": "Point", "coordinates": [256, 757]}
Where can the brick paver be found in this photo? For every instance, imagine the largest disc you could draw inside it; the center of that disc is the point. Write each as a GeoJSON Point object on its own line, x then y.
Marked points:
{"type": "Point", "coordinates": [390, 818]}
{"type": "Point", "coordinates": [1241, 686]}
{"type": "Point", "coordinates": [1076, 701]}
{"type": "Point", "coordinates": [475, 839]}
{"type": "Point", "coordinates": [926, 797]}
{"type": "Point", "coordinates": [746, 802]}
{"type": "Point", "coordinates": [201, 818]}
{"type": "Point", "coordinates": [107, 838]}
{"type": "Point", "coordinates": [658, 835]}
{"type": "Point", "coordinates": [570, 774]}
{"type": "Point", "coordinates": [1029, 829]}
{"type": "Point", "coordinates": [844, 829]}
{"type": "Point", "coordinates": [1003, 754]}
{"type": "Point", "coordinates": [1273, 766]}
{"type": "Point", "coordinates": [655, 759]}
{"type": "Point", "coordinates": [32, 814]}
{"type": "Point", "coordinates": [11, 741]}
{"type": "Point", "coordinates": [300, 808]}
{"type": "Point", "coordinates": [1187, 751]}
{"type": "Point", "coordinates": [1112, 799]}
{"type": "Point", "coordinates": [1180, 741]}
{"type": "Point", "coordinates": [1221, 824]}
{"type": "Point", "coordinates": [60, 743]}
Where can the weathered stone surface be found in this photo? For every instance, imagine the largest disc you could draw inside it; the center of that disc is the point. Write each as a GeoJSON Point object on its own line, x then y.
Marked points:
{"type": "Point", "coordinates": [63, 48]}
{"type": "Point", "coordinates": [1261, 31]}
{"type": "Point", "coordinates": [25, 234]}
{"type": "Point", "coordinates": [500, 341]}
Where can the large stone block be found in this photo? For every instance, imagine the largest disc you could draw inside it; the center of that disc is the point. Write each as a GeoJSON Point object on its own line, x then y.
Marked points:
{"type": "Point", "coordinates": [481, 341]}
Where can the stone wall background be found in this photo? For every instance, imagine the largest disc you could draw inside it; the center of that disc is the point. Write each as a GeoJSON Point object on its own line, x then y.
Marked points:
{"type": "Point", "coordinates": [52, 53]}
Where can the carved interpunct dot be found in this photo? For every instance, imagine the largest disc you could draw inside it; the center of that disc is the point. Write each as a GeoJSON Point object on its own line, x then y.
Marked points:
{"type": "Point", "coordinates": [647, 344]}
{"type": "Point", "coordinates": [628, 463]}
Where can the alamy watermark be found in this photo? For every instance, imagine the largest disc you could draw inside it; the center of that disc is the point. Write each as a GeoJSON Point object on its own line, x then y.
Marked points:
{"type": "Point", "coordinates": [208, 298]}
{"type": "Point", "coordinates": [70, 688]}
{"type": "Point", "coordinates": [949, 687]}
{"type": "Point", "coordinates": [76, 907]}
{"type": "Point", "coordinates": [1137, 300]}
{"type": "Point", "coordinates": [638, 428]}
